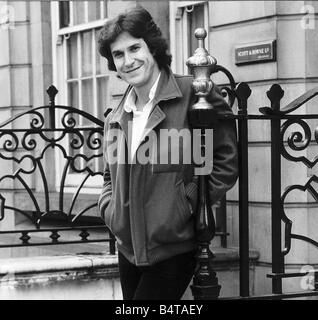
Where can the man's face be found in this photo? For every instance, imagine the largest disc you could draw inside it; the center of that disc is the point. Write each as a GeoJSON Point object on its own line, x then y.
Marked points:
{"type": "Point", "coordinates": [133, 60]}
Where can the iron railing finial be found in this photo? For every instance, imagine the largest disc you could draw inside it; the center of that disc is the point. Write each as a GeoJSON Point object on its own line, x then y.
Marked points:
{"type": "Point", "coordinates": [52, 92]}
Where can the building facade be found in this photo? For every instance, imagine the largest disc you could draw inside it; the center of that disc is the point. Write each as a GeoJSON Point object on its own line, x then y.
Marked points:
{"type": "Point", "coordinates": [46, 43]}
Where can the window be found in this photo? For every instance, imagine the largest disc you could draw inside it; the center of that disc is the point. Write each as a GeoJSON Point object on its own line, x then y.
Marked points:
{"type": "Point", "coordinates": [80, 73]}
{"type": "Point", "coordinates": [77, 12]}
{"type": "Point", "coordinates": [86, 71]}
{"type": "Point", "coordinates": [86, 76]}
{"type": "Point", "coordinates": [185, 17]}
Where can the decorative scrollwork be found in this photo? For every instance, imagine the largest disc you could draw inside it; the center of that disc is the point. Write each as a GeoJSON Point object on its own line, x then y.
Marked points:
{"type": "Point", "coordinates": [52, 139]}
{"type": "Point", "coordinates": [27, 148]}
{"type": "Point", "coordinates": [68, 120]}
{"type": "Point", "coordinates": [81, 163]}
{"type": "Point", "coordinates": [77, 141]}
{"type": "Point", "coordinates": [32, 163]}
{"type": "Point", "coordinates": [37, 123]}
{"type": "Point", "coordinates": [94, 142]}
{"type": "Point", "coordinates": [297, 103]}
{"type": "Point", "coordinates": [297, 141]}
{"type": "Point", "coordinates": [227, 91]}
{"type": "Point", "coordinates": [28, 144]}
{"type": "Point", "coordinates": [288, 223]}
{"type": "Point", "coordinates": [9, 145]}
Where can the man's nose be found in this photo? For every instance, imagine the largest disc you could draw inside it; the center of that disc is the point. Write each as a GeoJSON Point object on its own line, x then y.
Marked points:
{"type": "Point", "coordinates": [129, 60]}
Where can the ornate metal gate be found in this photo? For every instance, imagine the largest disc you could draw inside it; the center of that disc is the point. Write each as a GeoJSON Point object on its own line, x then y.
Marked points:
{"type": "Point", "coordinates": [29, 149]}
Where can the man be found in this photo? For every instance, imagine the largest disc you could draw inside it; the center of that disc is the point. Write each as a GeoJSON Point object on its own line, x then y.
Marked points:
{"type": "Point", "coordinates": [149, 205]}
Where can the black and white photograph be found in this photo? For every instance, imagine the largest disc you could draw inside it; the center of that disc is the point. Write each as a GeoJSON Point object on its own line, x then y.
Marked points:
{"type": "Point", "coordinates": [159, 155]}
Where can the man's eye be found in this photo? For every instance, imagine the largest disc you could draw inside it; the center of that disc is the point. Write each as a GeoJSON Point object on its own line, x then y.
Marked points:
{"type": "Point", "coordinates": [117, 54]}
{"type": "Point", "coordinates": [135, 48]}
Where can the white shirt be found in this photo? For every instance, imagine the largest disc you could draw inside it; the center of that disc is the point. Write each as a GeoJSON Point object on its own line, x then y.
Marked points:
{"type": "Point", "coordinates": [139, 117]}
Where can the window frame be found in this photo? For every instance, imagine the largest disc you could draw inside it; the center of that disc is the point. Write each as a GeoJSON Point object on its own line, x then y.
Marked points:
{"type": "Point", "coordinates": [179, 26]}
{"type": "Point", "coordinates": [61, 80]}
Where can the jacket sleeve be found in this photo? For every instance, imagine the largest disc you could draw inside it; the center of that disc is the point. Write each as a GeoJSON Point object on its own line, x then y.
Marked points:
{"type": "Point", "coordinates": [106, 193]}
{"type": "Point", "coordinates": [225, 157]}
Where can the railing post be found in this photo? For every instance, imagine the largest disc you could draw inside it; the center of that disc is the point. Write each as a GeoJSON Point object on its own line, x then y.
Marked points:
{"type": "Point", "coordinates": [203, 116]}
{"type": "Point", "coordinates": [52, 92]}
{"type": "Point", "coordinates": [275, 94]}
{"type": "Point", "coordinates": [243, 92]}
{"type": "Point", "coordinates": [221, 223]}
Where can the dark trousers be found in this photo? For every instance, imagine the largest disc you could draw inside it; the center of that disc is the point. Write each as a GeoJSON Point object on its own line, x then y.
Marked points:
{"type": "Point", "coordinates": [166, 280]}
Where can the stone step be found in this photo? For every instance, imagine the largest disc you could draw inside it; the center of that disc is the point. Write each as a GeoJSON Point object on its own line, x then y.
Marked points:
{"type": "Point", "coordinates": [91, 276]}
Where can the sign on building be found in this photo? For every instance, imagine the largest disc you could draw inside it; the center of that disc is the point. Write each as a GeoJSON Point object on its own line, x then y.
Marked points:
{"type": "Point", "coordinates": [255, 52]}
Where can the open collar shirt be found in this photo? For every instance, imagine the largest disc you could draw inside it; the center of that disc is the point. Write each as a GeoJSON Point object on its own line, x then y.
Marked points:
{"type": "Point", "coordinates": [139, 117]}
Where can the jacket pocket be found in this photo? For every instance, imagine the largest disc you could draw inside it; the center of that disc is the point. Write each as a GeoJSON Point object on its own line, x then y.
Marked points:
{"type": "Point", "coordinates": [183, 203]}
{"type": "Point", "coordinates": [109, 214]}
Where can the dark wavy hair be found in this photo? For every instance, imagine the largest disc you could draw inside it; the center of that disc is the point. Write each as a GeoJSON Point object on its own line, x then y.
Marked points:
{"type": "Point", "coordinates": [139, 24]}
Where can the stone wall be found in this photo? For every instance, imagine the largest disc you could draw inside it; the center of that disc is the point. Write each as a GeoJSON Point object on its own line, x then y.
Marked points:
{"type": "Point", "coordinates": [244, 22]}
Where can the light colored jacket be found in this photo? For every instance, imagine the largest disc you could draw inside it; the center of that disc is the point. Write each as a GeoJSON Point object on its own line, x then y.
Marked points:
{"type": "Point", "coordinates": [148, 207]}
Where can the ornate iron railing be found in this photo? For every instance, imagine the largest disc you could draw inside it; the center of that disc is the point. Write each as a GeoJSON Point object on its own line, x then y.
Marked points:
{"type": "Point", "coordinates": [31, 150]}
{"type": "Point", "coordinates": [202, 115]}
{"type": "Point", "coordinates": [281, 123]}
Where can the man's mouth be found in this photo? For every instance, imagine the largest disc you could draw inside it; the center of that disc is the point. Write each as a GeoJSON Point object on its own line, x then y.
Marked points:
{"type": "Point", "coordinates": [132, 70]}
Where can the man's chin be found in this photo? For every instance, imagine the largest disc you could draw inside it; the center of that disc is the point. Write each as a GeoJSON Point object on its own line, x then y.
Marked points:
{"type": "Point", "coordinates": [135, 82]}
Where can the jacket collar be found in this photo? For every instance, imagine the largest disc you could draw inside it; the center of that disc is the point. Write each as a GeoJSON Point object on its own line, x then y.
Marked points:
{"type": "Point", "coordinates": [167, 89]}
